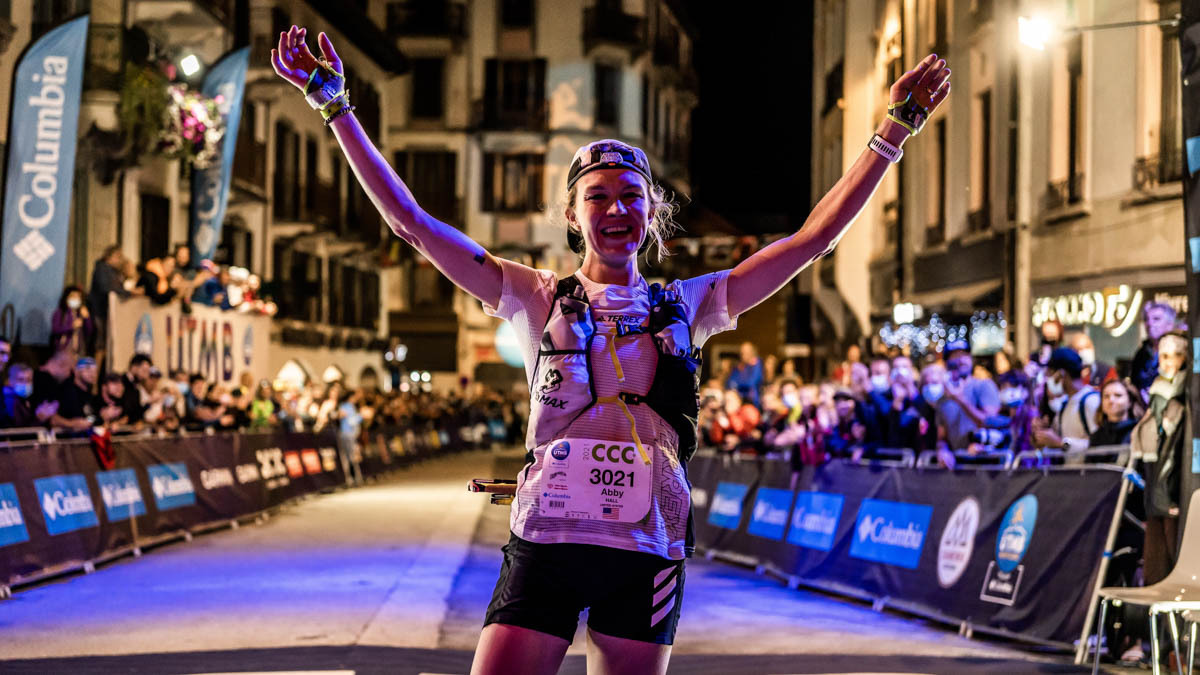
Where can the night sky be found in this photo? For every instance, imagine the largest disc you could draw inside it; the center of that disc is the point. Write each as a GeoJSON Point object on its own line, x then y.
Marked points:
{"type": "Point", "coordinates": [751, 141]}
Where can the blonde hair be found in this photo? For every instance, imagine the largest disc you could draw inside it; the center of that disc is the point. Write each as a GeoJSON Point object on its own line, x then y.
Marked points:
{"type": "Point", "coordinates": [662, 217]}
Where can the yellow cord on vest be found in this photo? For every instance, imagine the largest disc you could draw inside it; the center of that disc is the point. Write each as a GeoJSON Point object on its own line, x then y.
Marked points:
{"type": "Point", "coordinates": [612, 351]}
{"type": "Point", "coordinates": [632, 425]}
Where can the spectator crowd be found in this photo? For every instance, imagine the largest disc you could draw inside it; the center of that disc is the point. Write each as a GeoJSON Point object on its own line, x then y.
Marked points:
{"type": "Point", "coordinates": [952, 403]}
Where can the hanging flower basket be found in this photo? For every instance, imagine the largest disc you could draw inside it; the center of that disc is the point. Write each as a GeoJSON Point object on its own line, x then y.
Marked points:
{"type": "Point", "coordinates": [192, 127]}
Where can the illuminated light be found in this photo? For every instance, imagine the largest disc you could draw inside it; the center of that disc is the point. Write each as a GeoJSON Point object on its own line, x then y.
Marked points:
{"type": "Point", "coordinates": [415, 376]}
{"type": "Point", "coordinates": [425, 377]}
{"type": "Point", "coordinates": [388, 356]}
{"type": "Point", "coordinates": [1034, 31]}
{"type": "Point", "coordinates": [190, 65]}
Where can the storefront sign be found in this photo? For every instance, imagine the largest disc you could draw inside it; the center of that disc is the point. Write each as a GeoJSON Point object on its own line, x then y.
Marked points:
{"type": "Point", "coordinates": [1115, 309]}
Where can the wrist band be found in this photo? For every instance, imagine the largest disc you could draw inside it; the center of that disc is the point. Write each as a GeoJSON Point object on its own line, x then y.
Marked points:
{"type": "Point", "coordinates": [890, 152]}
{"type": "Point", "coordinates": [344, 111]}
{"type": "Point", "coordinates": [333, 107]}
{"type": "Point", "coordinates": [324, 86]}
{"type": "Point", "coordinates": [909, 114]}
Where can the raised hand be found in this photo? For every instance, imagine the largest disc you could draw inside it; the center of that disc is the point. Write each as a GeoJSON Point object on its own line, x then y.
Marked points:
{"type": "Point", "coordinates": [294, 62]}
{"type": "Point", "coordinates": [929, 83]}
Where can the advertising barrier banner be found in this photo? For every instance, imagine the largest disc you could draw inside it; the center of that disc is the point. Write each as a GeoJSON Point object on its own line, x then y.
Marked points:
{"type": "Point", "coordinates": [219, 345]}
{"type": "Point", "coordinates": [61, 510]}
{"type": "Point", "coordinates": [1015, 552]}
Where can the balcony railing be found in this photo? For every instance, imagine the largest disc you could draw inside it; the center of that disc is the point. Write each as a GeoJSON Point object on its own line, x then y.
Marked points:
{"type": "Point", "coordinates": [1157, 170]}
{"type": "Point", "coordinates": [1064, 193]}
{"type": "Point", "coordinates": [426, 18]}
{"type": "Point", "coordinates": [935, 234]}
{"type": "Point", "coordinates": [325, 208]}
{"type": "Point", "coordinates": [607, 26]}
{"type": "Point", "coordinates": [979, 220]}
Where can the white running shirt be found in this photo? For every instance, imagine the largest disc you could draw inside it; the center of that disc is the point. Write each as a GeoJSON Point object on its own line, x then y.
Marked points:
{"type": "Point", "coordinates": [525, 301]}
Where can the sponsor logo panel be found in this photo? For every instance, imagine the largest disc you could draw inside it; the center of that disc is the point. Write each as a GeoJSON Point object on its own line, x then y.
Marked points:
{"type": "Point", "coordinates": [121, 494]}
{"type": "Point", "coordinates": [212, 479]}
{"type": "Point", "coordinates": [12, 523]}
{"type": "Point", "coordinates": [295, 467]}
{"type": "Point", "coordinates": [171, 485]}
{"type": "Point", "coordinates": [770, 515]}
{"type": "Point", "coordinates": [892, 533]}
{"type": "Point", "coordinates": [815, 519]}
{"type": "Point", "coordinates": [66, 503]}
{"type": "Point", "coordinates": [1003, 579]}
{"type": "Point", "coordinates": [958, 542]}
{"type": "Point", "coordinates": [312, 461]}
{"type": "Point", "coordinates": [726, 509]}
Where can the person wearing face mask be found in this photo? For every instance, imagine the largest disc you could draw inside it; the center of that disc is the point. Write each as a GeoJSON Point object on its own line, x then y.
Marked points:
{"type": "Point", "coordinates": [1158, 318]}
{"type": "Point", "coordinates": [903, 424]}
{"type": "Point", "coordinates": [1070, 427]}
{"type": "Point", "coordinates": [71, 323]}
{"type": "Point", "coordinates": [1018, 409]}
{"type": "Point", "coordinates": [967, 402]}
{"type": "Point", "coordinates": [5, 354]}
{"type": "Point", "coordinates": [1160, 439]}
{"type": "Point", "coordinates": [876, 399]}
{"type": "Point", "coordinates": [1096, 373]}
{"type": "Point", "coordinates": [17, 411]}
{"type": "Point", "coordinates": [933, 386]}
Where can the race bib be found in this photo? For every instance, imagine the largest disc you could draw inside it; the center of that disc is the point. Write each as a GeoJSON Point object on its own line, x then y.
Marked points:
{"type": "Point", "coordinates": [590, 479]}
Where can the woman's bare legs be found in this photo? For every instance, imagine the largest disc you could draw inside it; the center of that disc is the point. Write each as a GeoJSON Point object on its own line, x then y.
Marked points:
{"type": "Point", "coordinates": [505, 649]}
{"type": "Point", "coordinates": [608, 655]}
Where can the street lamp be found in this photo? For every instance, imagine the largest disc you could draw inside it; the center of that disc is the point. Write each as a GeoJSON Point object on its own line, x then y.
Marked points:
{"type": "Point", "coordinates": [190, 65]}
{"type": "Point", "coordinates": [1037, 31]}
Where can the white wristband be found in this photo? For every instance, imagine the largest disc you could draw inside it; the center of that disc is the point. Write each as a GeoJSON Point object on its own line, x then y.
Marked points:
{"type": "Point", "coordinates": [890, 152]}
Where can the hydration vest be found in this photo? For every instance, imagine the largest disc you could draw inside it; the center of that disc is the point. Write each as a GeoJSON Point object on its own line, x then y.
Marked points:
{"type": "Point", "coordinates": [563, 386]}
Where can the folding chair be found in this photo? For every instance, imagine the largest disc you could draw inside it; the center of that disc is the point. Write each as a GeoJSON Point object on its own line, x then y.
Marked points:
{"type": "Point", "coordinates": [1179, 592]}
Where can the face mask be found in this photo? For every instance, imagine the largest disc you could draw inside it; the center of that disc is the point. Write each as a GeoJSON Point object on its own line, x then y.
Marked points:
{"type": "Point", "coordinates": [168, 401]}
{"type": "Point", "coordinates": [932, 392]}
{"type": "Point", "coordinates": [1013, 396]}
{"type": "Point", "coordinates": [74, 303]}
{"type": "Point", "coordinates": [1056, 404]}
{"type": "Point", "coordinates": [903, 373]}
{"type": "Point", "coordinates": [791, 400]}
{"type": "Point", "coordinates": [1088, 356]}
{"type": "Point", "coordinates": [1054, 387]}
{"type": "Point", "coordinates": [879, 382]}
{"type": "Point", "coordinates": [22, 390]}
{"type": "Point", "coordinates": [183, 388]}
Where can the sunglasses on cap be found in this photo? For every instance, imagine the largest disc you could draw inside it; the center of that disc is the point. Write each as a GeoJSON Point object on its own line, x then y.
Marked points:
{"type": "Point", "coordinates": [607, 154]}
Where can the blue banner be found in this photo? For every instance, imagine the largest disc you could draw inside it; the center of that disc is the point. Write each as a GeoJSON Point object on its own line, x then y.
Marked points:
{"type": "Point", "coordinates": [726, 509]}
{"type": "Point", "coordinates": [210, 187]}
{"type": "Point", "coordinates": [12, 523]}
{"type": "Point", "coordinates": [171, 485]}
{"type": "Point", "coordinates": [66, 503]}
{"type": "Point", "coordinates": [891, 532]}
{"type": "Point", "coordinates": [121, 494]}
{"type": "Point", "coordinates": [815, 519]}
{"type": "Point", "coordinates": [43, 126]}
{"type": "Point", "coordinates": [770, 515]}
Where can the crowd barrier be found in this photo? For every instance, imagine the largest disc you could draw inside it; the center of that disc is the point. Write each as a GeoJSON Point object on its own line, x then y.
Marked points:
{"type": "Point", "coordinates": [1008, 551]}
{"type": "Point", "coordinates": [61, 511]}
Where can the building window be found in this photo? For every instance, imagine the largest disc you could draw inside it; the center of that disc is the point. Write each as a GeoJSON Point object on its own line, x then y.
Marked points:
{"type": "Point", "coordinates": [515, 94]}
{"type": "Point", "coordinates": [428, 100]}
{"type": "Point", "coordinates": [981, 162]}
{"type": "Point", "coordinates": [310, 176]}
{"type": "Point", "coordinates": [516, 13]}
{"type": "Point", "coordinates": [645, 106]}
{"type": "Point", "coordinates": [432, 178]}
{"type": "Point", "coordinates": [512, 183]}
{"type": "Point", "coordinates": [935, 232]}
{"type": "Point", "coordinates": [1170, 150]}
{"type": "Point", "coordinates": [49, 13]}
{"type": "Point", "coordinates": [607, 95]}
{"type": "Point", "coordinates": [833, 88]}
{"type": "Point", "coordinates": [286, 202]}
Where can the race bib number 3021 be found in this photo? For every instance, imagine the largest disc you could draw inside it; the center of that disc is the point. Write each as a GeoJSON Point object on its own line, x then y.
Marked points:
{"type": "Point", "coordinates": [589, 479]}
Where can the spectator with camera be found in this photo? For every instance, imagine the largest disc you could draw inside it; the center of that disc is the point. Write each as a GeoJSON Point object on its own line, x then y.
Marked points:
{"type": "Point", "coordinates": [71, 323]}
{"type": "Point", "coordinates": [1071, 426]}
{"type": "Point", "coordinates": [735, 425]}
{"type": "Point", "coordinates": [846, 440]}
{"type": "Point", "coordinates": [967, 401]}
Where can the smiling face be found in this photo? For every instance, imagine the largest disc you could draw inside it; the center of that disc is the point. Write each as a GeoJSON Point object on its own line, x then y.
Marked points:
{"type": "Point", "coordinates": [612, 209]}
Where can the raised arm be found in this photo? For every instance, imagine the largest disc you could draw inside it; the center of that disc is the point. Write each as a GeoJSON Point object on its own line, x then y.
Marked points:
{"type": "Point", "coordinates": [456, 255]}
{"type": "Point", "coordinates": [758, 277]}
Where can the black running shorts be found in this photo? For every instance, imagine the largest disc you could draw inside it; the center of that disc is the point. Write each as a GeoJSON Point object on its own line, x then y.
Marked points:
{"type": "Point", "coordinates": [628, 594]}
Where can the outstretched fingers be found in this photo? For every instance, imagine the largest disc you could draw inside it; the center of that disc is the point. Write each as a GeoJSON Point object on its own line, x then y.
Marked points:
{"type": "Point", "coordinates": [941, 94]}
{"type": "Point", "coordinates": [329, 53]}
{"type": "Point", "coordinates": [909, 79]}
{"type": "Point", "coordinates": [932, 72]}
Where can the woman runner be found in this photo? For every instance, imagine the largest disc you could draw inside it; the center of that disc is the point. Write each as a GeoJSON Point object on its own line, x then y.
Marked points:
{"type": "Point", "coordinates": [602, 514]}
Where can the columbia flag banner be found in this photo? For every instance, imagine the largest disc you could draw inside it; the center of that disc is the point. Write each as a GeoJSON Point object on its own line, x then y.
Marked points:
{"type": "Point", "coordinates": [43, 126]}
{"type": "Point", "coordinates": [210, 187]}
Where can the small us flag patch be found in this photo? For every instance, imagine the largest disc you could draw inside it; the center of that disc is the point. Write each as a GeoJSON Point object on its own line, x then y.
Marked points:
{"type": "Point", "coordinates": [610, 512]}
